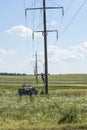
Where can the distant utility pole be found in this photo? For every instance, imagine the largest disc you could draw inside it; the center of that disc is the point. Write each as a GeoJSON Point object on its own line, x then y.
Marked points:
{"type": "Point", "coordinates": [44, 32]}
{"type": "Point", "coordinates": [36, 70]}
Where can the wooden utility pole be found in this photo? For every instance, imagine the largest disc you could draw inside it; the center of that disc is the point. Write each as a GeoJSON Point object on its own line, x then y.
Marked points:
{"type": "Point", "coordinates": [45, 48]}
{"type": "Point", "coordinates": [36, 70]}
{"type": "Point", "coordinates": [44, 32]}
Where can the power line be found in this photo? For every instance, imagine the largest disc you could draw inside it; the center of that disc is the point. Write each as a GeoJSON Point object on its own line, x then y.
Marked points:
{"type": "Point", "coordinates": [34, 3]}
{"type": "Point", "coordinates": [66, 10]}
{"type": "Point", "coordinates": [68, 7]}
{"type": "Point", "coordinates": [44, 8]}
{"type": "Point", "coordinates": [73, 18]}
{"type": "Point", "coordinates": [54, 2]}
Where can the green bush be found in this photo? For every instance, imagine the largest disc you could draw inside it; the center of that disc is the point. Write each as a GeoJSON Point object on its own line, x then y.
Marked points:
{"type": "Point", "coordinates": [69, 114]}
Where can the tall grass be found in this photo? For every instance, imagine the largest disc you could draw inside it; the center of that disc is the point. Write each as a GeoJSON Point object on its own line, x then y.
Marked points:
{"type": "Point", "coordinates": [53, 111]}
{"type": "Point", "coordinates": [64, 108]}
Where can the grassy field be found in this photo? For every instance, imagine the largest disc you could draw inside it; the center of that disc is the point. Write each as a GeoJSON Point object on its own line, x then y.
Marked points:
{"type": "Point", "coordinates": [55, 81]}
{"type": "Point", "coordinates": [64, 108]}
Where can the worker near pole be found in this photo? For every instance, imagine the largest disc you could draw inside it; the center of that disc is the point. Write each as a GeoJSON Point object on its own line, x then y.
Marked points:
{"type": "Point", "coordinates": [42, 76]}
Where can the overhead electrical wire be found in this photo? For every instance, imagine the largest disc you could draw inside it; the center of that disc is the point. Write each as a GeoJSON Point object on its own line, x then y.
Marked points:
{"type": "Point", "coordinates": [73, 18]}
{"type": "Point", "coordinates": [40, 21]}
{"type": "Point", "coordinates": [68, 7]}
{"type": "Point", "coordinates": [54, 2]}
{"type": "Point", "coordinates": [57, 5]}
{"type": "Point", "coordinates": [33, 46]}
{"type": "Point", "coordinates": [65, 11]}
{"type": "Point", "coordinates": [34, 3]}
{"type": "Point", "coordinates": [24, 5]}
{"type": "Point", "coordinates": [62, 5]}
{"type": "Point", "coordinates": [26, 25]}
{"type": "Point", "coordinates": [35, 27]}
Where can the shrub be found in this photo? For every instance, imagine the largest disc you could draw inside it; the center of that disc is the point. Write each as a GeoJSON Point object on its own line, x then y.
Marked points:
{"type": "Point", "coordinates": [69, 114]}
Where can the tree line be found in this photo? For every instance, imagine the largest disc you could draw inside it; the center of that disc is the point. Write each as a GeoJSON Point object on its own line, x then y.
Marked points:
{"type": "Point", "coordinates": [12, 74]}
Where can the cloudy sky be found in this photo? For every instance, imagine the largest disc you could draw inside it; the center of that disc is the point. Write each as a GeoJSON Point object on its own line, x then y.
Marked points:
{"type": "Point", "coordinates": [67, 52]}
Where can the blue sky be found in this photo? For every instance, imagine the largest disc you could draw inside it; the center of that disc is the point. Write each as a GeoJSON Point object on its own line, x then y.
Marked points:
{"type": "Point", "coordinates": [68, 54]}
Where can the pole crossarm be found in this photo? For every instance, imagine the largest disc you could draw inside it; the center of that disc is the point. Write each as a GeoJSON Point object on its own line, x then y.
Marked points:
{"type": "Point", "coordinates": [43, 32]}
{"type": "Point", "coordinates": [47, 31]}
{"type": "Point", "coordinates": [41, 8]}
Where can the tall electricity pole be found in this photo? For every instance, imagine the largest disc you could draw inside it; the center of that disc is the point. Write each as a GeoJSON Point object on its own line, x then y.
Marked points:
{"type": "Point", "coordinates": [44, 32]}
{"type": "Point", "coordinates": [36, 70]}
{"type": "Point", "coordinates": [45, 47]}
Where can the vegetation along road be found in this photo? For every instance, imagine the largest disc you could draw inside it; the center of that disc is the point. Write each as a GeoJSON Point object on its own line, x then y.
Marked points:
{"type": "Point", "coordinates": [64, 108]}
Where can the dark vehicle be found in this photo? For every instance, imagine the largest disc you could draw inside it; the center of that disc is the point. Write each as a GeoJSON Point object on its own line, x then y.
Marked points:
{"type": "Point", "coordinates": [27, 91]}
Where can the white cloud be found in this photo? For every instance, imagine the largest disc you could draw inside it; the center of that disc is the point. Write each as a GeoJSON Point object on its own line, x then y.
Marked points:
{"type": "Point", "coordinates": [52, 23]}
{"type": "Point", "coordinates": [81, 47]}
{"type": "Point", "coordinates": [23, 31]}
{"type": "Point", "coordinates": [67, 60]}
{"type": "Point", "coordinates": [4, 52]}
{"type": "Point", "coordinates": [1, 61]}
{"type": "Point", "coordinates": [20, 31]}
{"type": "Point", "coordinates": [77, 52]}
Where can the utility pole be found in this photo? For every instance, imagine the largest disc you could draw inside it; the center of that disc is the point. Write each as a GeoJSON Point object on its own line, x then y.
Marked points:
{"type": "Point", "coordinates": [36, 70]}
{"type": "Point", "coordinates": [44, 32]}
{"type": "Point", "coordinates": [45, 47]}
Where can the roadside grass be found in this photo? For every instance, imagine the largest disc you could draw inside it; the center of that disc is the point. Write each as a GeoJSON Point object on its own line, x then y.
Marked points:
{"type": "Point", "coordinates": [64, 108]}
{"type": "Point", "coordinates": [55, 111]}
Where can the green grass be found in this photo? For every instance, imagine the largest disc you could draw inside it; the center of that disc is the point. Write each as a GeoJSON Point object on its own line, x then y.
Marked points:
{"type": "Point", "coordinates": [59, 110]}
{"type": "Point", "coordinates": [65, 81]}
{"type": "Point", "coordinates": [54, 111]}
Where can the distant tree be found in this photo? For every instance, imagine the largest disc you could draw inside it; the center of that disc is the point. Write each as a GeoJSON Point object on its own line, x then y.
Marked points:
{"type": "Point", "coordinates": [12, 74]}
